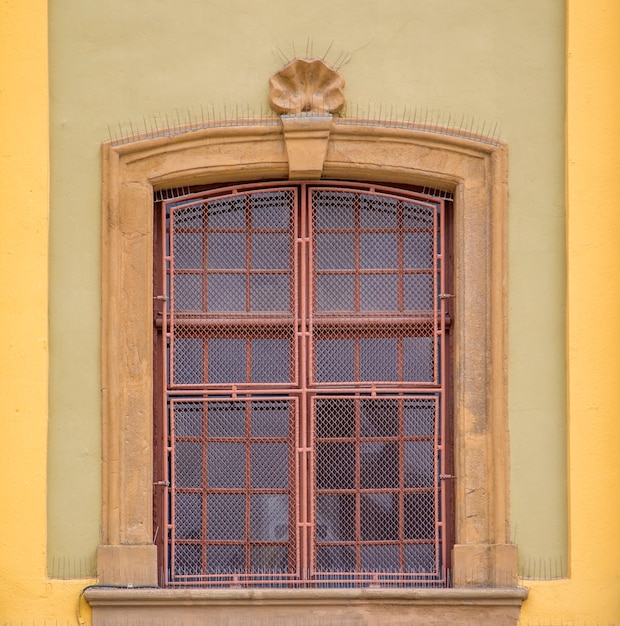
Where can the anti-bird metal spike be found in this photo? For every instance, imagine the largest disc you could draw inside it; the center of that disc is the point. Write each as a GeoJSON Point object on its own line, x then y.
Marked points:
{"type": "Point", "coordinates": [328, 49]}
{"type": "Point", "coordinates": [495, 138]}
{"type": "Point", "coordinates": [283, 57]}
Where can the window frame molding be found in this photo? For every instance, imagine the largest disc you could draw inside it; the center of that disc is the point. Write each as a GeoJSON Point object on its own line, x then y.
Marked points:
{"type": "Point", "coordinates": [475, 171]}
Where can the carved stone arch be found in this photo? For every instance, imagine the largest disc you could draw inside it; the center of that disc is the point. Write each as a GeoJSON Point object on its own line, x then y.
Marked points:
{"type": "Point", "coordinates": [476, 173]}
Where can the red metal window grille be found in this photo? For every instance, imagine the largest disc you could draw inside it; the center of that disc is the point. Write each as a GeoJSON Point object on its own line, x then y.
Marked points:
{"type": "Point", "coordinates": [301, 386]}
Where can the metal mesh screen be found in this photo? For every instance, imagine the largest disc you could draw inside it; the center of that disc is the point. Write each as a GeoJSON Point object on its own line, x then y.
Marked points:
{"type": "Point", "coordinates": [232, 489]}
{"type": "Point", "coordinates": [374, 267]}
{"type": "Point", "coordinates": [231, 275]}
{"type": "Point", "coordinates": [376, 488]}
{"type": "Point", "coordinates": [304, 344]}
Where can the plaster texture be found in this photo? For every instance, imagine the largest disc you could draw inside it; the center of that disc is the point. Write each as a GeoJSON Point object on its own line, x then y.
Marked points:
{"type": "Point", "coordinates": [489, 66]}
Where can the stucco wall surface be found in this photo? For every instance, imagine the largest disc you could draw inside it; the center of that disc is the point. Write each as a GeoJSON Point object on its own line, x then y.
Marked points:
{"type": "Point", "coordinates": [25, 592]}
{"type": "Point", "coordinates": [497, 67]}
{"type": "Point", "coordinates": [592, 595]}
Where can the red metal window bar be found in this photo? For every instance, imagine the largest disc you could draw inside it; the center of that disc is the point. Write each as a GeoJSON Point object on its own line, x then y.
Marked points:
{"type": "Point", "coordinates": [301, 378]}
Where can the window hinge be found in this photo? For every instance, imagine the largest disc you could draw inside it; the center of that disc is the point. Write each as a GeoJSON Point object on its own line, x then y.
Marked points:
{"type": "Point", "coordinates": [160, 297]}
{"type": "Point", "coordinates": [446, 477]}
{"type": "Point", "coordinates": [443, 296]}
{"type": "Point", "coordinates": [162, 483]}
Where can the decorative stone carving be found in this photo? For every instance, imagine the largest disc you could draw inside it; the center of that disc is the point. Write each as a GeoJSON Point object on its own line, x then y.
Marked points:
{"type": "Point", "coordinates": [306, 86]}
{"type": "Point", "coordinates": [306, 138]}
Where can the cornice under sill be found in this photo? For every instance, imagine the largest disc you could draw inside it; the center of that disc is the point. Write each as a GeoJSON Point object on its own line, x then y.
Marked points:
{"type": "Point", "coordinates": [106, 596]}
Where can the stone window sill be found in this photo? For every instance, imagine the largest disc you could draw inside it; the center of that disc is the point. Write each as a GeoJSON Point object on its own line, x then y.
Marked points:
{"type": "Point", "coordinates": [305, 607]}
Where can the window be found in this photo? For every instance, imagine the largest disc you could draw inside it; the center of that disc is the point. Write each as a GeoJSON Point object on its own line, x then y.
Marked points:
{"type": "Point", "coordinates": [481, 556]}
{"type": "Point", "coordinates": [301, 386]}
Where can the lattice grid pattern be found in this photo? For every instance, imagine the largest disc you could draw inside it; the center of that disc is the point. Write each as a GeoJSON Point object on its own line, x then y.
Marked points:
{"type": "Point", "coordinates": [231, 274]}
{"type": "Point", "coordinates": [233, 488]}
{"type": "Point", "coordinates": [304, 335]}
{"type": "Point", "coordinates": [374, 266]}
{"type": "Point", "coordinates": [376, 486]}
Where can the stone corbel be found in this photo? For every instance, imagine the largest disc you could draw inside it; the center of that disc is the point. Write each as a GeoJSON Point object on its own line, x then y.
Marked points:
{"type": "Point", "coordinates": [306, 93]}
{"type": "Point", "coordinates": [306, 138]}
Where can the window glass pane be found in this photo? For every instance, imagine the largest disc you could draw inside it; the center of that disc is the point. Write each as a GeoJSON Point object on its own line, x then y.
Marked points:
{"type": "Point", "coordinates": [225, 559]}
{"type": "Point", "coordinates": [418, 359]}
{"type": "Point", "coordinates": [187, 251]}
{"type": "Point", "coordinates": [271, 360]}
{"type": "Point", "coordinates": [335, 360]}
{"type": "Point", "coordinates": [333, 209]}
{"type": "Point", "coordinates": [419, 418]}
{"type": "Point", "coordinates": [188, 516]}
{"type": "Point", "coordinates": [269, 517]}
{"type": "Point", "coordinates": [188, 217]}
{"type": "Point", "coordinates": [335, 293]}
{"type": "Point", "coordinates": [418, 292]}
{"type": "Point", "coordinates": [227, 360]}
{"type": "Point", "coordinates": [379, 359]}
{"type": "Point", "coordinates": [420, 558]}
{"type": "Point", "coordinates": [226, 465]}
{"type": "Point", "coordinates": [420, 515]}
{"type": "Point", "coordinates": [226, 419]}
{"type": "Point", "coordinates": [378, 211]}
{"type": "Point", "coordinates": [418, 250]}
{"type": "Point", "coordinates": [334, 419]}
{"type": "Point", "coordinates": [226, 251]}
{"type": "Point", "coordinates": [335, 251]}
{"type": "Point", "coordinates": [187, 560]}
{"type": "Point", "coordinates": [270, 292]}
{"type": "Point", "coordinates": [378, 251]}
{"type": "Point", "coordinates": [379, 516]}
{"type": "Point", "coordinates": [380, 558]}
{"type": "Point", "coordinates": [187, 419]}
{"type": "Point", "coordinates": [227, 212]}
{"type": "Point", "coordinates": [271, 209]}
{"type": "Point", "coordinates": [270, 419]}
{"type": "Point", "coordinates": [335, 559]}
{"type": "Point", "coordinates": [187, 292]}
{"type": "Point", "coordinates": [379, 292]}
{"type": "Point", "coordinates": [379, 465]}
{"type": "Point", "coordinates": [419, 464]}
{"type": "Point", "coordinates": [269, 466]}
{"type": "Point", "coordinates": [335, 518]}
{"type": "Point", "coordinates": [379, 418]}
{"type": "Point", "coordinates": [417, 215]}
{"type": "Point", "coordinates": [335, 466]}
{"type": "Point", "coordinates": [269, 559]}
{"type": "Point", "coordinates": [188, 464]}
{"type": "Point", "coordinates": [226, 292]}
{"type": "Point", "coordinates": [226, 516]}
{"type": "Point", "coordinates": [188, 360]}
{"type": "Point", "coordinates": [271, 251]}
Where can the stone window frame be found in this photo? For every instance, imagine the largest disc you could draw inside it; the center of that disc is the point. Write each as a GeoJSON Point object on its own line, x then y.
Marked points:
{"type": "Point", "coordinates": [309, 147]}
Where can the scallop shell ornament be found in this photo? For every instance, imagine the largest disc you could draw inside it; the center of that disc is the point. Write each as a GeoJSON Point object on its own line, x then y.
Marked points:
{"type": "Point", "coordinates": [306, 86]}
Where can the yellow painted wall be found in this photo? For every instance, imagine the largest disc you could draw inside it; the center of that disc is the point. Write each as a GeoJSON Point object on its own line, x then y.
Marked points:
{"type": "Point", "coordinates": [592, 594]}
{"type": "Point", "coordinates": [25, 592]}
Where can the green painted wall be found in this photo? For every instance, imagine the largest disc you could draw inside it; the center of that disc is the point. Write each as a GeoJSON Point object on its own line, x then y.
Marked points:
{"type": "Point", "coordinates": [117, 66]}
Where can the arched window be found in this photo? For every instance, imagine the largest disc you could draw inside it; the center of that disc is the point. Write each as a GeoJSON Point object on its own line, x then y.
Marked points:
{"type": "Point", "coordinates": [344, 336]}
{"type": "Point", "coordinates": [303, 354]}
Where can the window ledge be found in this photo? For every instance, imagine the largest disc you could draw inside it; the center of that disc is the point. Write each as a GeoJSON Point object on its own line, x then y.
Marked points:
{"type": "Point", "coordinates": [155, 607]}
